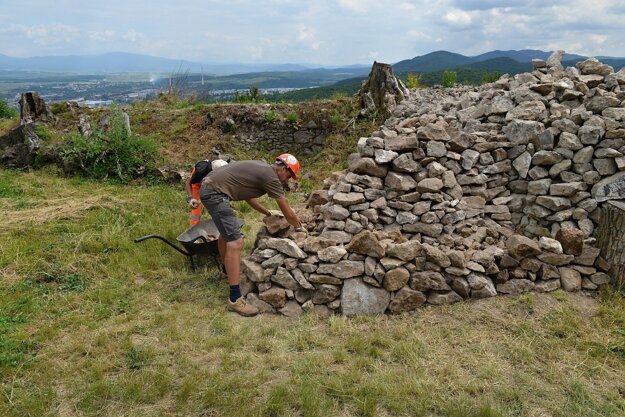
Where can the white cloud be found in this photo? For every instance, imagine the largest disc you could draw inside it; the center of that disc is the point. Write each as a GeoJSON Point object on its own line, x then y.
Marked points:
{"type": "Point", "coordinates": [359, 6]}
{"type": "Point", "coordinates": [213, 35]}
{"type": "Point", "coordinates": [45, 35]}
{"type": "Point", "coordinates": [308, 35]}
{"type": "Point", "coordinates": [254, 52]}
{"type": "Point", "coordinates": [599, 39]}
{"type": "Point", "coordinates": [458, 18]}
{"type": "Point", "coordinates": [417, 34]}
{"type": "Point", "coordinates": [133, 36]}
{"type": "Point", "coordinates": [105, 35]}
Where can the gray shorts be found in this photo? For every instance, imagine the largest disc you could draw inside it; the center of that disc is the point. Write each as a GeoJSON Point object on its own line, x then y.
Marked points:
{"type": "Point", "coordinates": [218, 205]}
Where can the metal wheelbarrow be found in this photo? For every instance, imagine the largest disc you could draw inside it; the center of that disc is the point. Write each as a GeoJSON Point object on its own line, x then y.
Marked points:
{"type": "Point", "coordinates": [198, 240]}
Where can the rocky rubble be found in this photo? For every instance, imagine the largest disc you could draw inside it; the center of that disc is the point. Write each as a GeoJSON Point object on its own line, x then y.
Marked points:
{"type": "Point", "coordinates": [463, 193]}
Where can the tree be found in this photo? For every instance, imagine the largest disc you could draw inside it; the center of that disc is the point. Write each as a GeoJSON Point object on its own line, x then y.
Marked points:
{"type": "Point", "coordinates": [6, 111]}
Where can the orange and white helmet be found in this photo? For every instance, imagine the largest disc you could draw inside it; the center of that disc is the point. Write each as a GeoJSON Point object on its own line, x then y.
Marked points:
{"type": "Point", "coordinates": [291, 163]}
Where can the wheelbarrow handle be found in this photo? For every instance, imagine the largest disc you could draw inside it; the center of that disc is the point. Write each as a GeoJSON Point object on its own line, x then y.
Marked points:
{"type": "Point", "coordinates": [141, 239]}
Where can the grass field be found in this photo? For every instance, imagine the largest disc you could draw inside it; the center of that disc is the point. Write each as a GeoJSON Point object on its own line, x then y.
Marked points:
{"type": "Point", "coordinates": [92, 324]}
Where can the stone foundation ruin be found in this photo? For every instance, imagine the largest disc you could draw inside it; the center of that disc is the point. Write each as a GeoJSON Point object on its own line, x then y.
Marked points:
{"type": "Point", "coordinates": [463, 193]}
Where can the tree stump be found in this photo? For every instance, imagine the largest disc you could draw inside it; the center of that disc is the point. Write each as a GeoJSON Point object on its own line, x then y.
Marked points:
{"type": "Point", "coordinates": [611, 240]}
{"type": "Point", "coordinates": [382, 91]}
{"type": "Point", "coordinates": [33, 108]}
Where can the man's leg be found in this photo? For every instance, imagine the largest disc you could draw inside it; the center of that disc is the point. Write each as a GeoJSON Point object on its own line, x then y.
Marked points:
{"type": "Point", "coordinates": [233, 261]}
{"type": "Point", "coordinates": [230, 244]}
{"type": "Point", "coordinates": [236, 302]}
{"type": "Point", "coordinates": [221, 246]}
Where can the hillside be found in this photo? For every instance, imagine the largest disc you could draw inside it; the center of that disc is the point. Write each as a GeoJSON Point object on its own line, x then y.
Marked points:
{"type": "Point", "coordinates": [93, 324]}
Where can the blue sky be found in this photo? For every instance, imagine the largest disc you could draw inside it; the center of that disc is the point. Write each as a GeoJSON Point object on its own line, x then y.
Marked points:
{"type": "Point", "coordinates": [302, 31]}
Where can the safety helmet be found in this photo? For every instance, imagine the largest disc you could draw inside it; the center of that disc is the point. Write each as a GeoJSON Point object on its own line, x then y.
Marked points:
{"type": "Point", "coordinates": [218, 163]}
{"type": "Point", "coordinates": [291, 163]}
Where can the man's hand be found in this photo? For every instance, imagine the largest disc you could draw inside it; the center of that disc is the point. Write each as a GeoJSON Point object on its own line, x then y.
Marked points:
{"type": "Point", "coordinates": [193, 202]}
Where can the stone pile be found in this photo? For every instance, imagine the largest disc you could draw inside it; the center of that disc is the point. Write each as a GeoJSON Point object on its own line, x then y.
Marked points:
{"type": "Point", "coordinates": [462, 193]}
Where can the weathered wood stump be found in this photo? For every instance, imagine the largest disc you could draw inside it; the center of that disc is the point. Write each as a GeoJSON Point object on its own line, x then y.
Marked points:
{"type": "Point", "coordinates": [33, 108]}
{"type": "Point", "coordinates": [381, 91]}
{"type": "Point", "coordinates": [611, 240]}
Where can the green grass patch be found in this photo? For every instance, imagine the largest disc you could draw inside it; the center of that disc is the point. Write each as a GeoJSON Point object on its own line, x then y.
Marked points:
{"type": "Point", "coordinates": [94, 324]}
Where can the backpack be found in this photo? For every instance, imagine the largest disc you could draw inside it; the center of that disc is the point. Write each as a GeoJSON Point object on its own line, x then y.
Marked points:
{"type": "Point", "coordinates": [201, 169]}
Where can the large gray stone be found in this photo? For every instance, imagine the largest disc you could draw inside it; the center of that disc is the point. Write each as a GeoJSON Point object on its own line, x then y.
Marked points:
{"type": "Point", "coordinates": [366, 166]}
{"type": "Point", "coordinates": [610, 188]}
{"type": "Point", "coordinates": [546, 158]}
{"type": "Point", "coordinates": [286, 246]}
{"type": "Point", "coordinates": [343, 269]}
{"type": "Point", "coordinates": [325, 293]}
{"type": "Point", "coordinates": [522, 132]}
{"type": "Point", "coordinates": [285, 279]}
{"type": "Point", "coordinates": [366, 243]}
{"type": "Point", "coordinates": [520, 246]}
{"type": "Point", "coordinates": [428, 280]}
{"type": "Point", "coordinates": [515, 286]}
{"type": "Point", "coordinates": [402, 143]}
{"type": "Point", "coordinates": [395, 279]}
{"type": "Point", "coordinates": [406, 299]}
{"type": "Point", "coordinates": [399, 182]}
{"type": "Point", "coordinates": [406, 251]}
{"type": "Point", "coordinates": [19, 147]}
{"type": "Point", "coordinates": [360, 298]}
{"type": "Point", "coordinates": [571, 279]}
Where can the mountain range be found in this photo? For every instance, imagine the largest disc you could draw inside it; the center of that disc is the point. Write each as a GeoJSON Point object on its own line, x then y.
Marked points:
{"type": "Point", "coordinates": [500, 61]}
{"type": "Point", "coordinates": [118, 62]}
{"type": "Point", "coordinates": [511, 61]}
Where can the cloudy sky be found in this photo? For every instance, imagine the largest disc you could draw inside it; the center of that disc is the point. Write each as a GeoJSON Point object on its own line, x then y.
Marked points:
{"type": "Point", "coordinates": [309, 31]}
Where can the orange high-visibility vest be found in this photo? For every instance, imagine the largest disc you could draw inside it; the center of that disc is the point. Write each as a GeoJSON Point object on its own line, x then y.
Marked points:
{"type": "Point", "coordinates": [199, 171]}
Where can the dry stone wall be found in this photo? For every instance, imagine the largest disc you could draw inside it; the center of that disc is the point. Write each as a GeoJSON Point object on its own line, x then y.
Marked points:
{"type": "Point", "coordinates": [306, 139]}
{"type": "Point", "coordinates": [463, 193]}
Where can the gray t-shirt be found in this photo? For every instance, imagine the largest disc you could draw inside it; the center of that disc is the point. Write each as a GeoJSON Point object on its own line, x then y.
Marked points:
{"type": "Point", "coordinates": [244, 180]}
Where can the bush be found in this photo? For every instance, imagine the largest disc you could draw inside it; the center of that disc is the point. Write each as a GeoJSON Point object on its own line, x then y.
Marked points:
{"type": "Point", "coordinates": [6, 111]}
{"type": "Point", "coordinates": [253, 95]}
{"type": "Point", "coordinates": [43, 133]}
{"type": "Point", "coordinates": [336, 118]}
{"type": "Point", "coordinates": [270, 116]}
{"type": "Point", "coordinates": [413, 80]}
{"type": "Point", "coordinates": [114, 153]}
{"type": "Point", "coordinates": [292, 118]}
{"type": "Point", "coordinates": [491, 77]}
{"type": "Point", "coordinates": [449, 78]}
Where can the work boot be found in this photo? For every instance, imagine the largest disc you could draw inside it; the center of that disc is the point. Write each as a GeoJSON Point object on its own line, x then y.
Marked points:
{"type": "Point", "coordinates": [242, 307]}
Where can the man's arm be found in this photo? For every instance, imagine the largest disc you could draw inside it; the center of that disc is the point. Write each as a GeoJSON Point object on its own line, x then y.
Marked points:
{"type": "Point", "coordinates": [187, 187]}
{"type": "Point", "coordinates": [257, 206]}
{"type": "Point", "coordinates": [288, 212]}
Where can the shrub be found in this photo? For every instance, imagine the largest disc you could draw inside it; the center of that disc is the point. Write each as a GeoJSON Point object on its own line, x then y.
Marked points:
{"type": "Point", "coordinates": [60, 107]}
{"type": "Point", "coordinates": [6, 111]}
{"type": "Point", "coordinates": [253, 95]}
{"type": "Point", "coordinates": [491, 77]}
{"type": "Point", "coordinates": [114, 153]}
{"type": "Point", "coordinates": [449, 78]}
{"type": "Point", "coordinates": [292, 118]}
{"type": "Point", "coordinates": [413, 80]}
{"type": "Point", "coordinates": [43, 133]}
{"type": "Point", "coordinates": [336, 118]}
{"type": "Point", "coordinates": [270, 116]}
